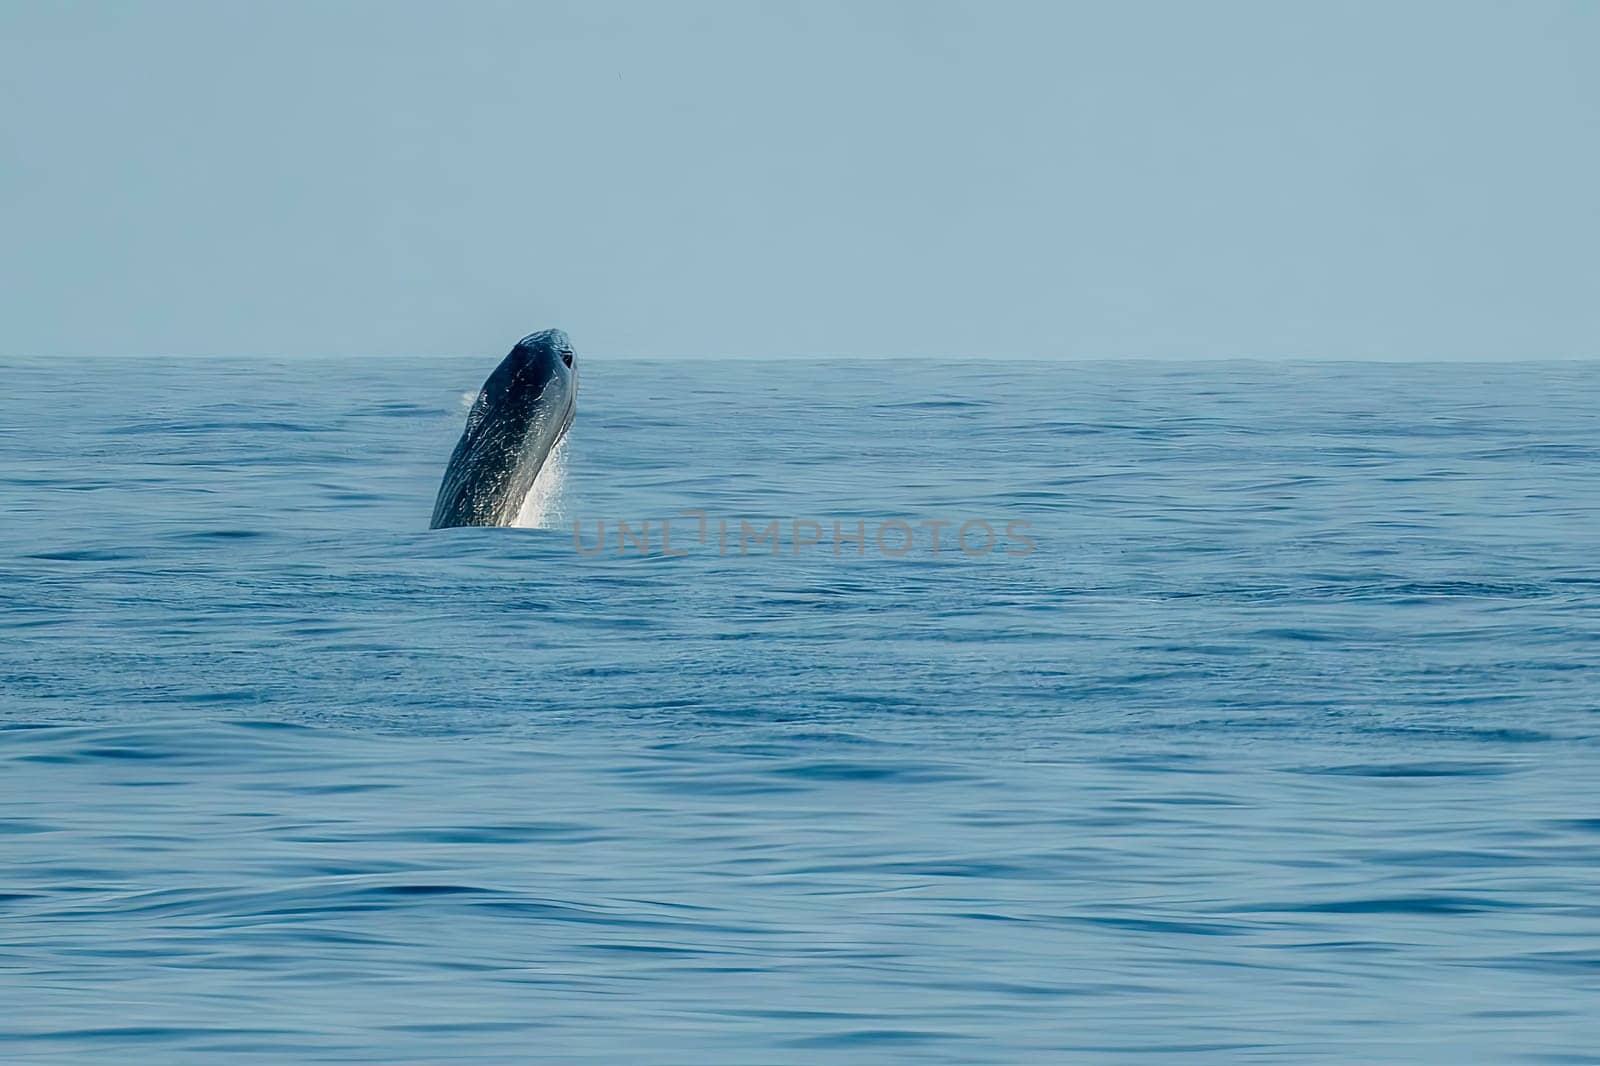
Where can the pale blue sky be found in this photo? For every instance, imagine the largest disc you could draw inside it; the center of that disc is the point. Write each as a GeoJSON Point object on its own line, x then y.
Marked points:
{"type": "Point", "coordinates": [1406, 179]}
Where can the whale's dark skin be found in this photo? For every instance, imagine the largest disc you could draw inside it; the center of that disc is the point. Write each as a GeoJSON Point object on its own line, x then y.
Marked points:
{"type": "Point", "coordinates": [519, 417]}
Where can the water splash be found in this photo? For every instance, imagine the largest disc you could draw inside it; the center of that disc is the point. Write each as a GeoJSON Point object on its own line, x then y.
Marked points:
{"type": "Point", "coordinates": [541, 508]}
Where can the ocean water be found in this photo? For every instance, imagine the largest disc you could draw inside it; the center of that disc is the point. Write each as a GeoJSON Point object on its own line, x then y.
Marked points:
{"type": "Point", "coordinates": [1268, 735]}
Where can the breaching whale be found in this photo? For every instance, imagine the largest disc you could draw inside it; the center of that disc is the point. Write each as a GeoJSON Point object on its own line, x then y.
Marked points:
{"type": "Point", "coordinates": [519, 417]}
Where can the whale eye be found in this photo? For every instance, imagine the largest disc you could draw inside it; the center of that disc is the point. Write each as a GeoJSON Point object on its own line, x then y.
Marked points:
{"type": "Point", "coordinates": [566, 357]}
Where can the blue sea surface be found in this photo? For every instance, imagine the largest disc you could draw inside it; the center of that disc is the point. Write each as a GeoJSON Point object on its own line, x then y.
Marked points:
{"type": "Point", "coordinates": [1269, 736]}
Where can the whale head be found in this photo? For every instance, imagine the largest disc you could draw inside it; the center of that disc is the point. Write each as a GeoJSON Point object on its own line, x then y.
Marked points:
{"type": "Point", "coordinates": [547, 342]}
{"type": "Point", "coordinates": [521, 414]}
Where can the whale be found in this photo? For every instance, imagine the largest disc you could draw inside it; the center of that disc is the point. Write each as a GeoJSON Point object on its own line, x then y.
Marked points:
{"type": "Point", "coordinates": [520, 415]}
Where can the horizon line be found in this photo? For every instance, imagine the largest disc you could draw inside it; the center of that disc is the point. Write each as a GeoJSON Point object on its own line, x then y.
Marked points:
{"type": "Point", "coordinates": [835, 357]}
